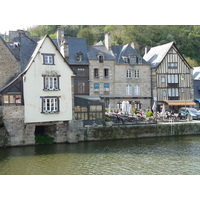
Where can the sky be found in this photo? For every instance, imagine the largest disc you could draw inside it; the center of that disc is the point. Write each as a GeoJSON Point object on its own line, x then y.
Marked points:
{"type": "Point", "coordinates": [23, 14]}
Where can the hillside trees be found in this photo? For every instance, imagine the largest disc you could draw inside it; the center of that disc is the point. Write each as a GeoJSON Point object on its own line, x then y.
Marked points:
{"type": "Point", "coordinates": [186, 37]}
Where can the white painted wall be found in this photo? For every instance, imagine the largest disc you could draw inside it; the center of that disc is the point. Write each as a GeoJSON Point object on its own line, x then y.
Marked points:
{"type": "Point", "coordinates": [33, 87]}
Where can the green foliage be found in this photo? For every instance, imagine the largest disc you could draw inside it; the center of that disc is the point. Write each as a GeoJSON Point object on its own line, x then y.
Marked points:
{"type": "Point", "coordinates": [87, 34]}
{"type": "Point", "coordinates": [4, 140]}
{"type": "Point", "coordinates": [186, 37]}
{"type": "Point", "coordinates": [134, 111]}
{"type": "Point", "coordinates": [107, 119]}
{"type": "Point", "coordinates": [149, 114]}
{"type": "Point", "coordinates": [43, 139]}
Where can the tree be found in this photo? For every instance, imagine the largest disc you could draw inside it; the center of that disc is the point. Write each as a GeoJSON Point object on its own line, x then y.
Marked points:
{"type": "Point", "coordinates": [87, 34]}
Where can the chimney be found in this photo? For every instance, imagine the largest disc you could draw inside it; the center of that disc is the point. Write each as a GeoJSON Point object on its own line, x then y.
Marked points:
{"type": "Point", "coordinates": [60, 34]}
{"type": "Point", "coordinates": [108, 41]}
{"type": "Point", "coordinates": [64, 49]}
{"type": "Point", "coordinates": [146, 50]}
{"type": "Point", "coordinates": [135, 46]}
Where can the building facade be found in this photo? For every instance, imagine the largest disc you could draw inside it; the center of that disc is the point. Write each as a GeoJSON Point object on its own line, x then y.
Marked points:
{"type": "Point", "coordinates": [172, 80]}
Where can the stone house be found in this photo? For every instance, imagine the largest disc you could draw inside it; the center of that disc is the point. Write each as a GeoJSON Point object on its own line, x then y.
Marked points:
{"type": "Point", "coordinates": [8, 64]}
{"type": "Point", "coordinates": [172, 81]}
{"type": "Point", "coordinates": [40, 98]}
{"type": "Point", "coordinates": [101, 72]}
{"type": "Point", "coordinates": [118, 73]}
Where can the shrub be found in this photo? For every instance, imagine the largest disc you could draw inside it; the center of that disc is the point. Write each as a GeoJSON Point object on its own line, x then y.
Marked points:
{"type": "Point", "coordinates": [107, 119]}
{"type": "Point", "coordinates": [149, 114]}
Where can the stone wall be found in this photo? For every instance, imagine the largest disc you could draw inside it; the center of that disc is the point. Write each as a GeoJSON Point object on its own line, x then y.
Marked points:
{"type": "Point", "coordinates": [9, 66]}
{"type": "Point", "coordinates": [19, 134]}
{"type": "Point", "coordinates": [138, 131]}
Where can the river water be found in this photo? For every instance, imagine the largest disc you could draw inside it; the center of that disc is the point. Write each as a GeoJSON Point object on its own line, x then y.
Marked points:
{"type": "Point", "coordinates": [164, 156]}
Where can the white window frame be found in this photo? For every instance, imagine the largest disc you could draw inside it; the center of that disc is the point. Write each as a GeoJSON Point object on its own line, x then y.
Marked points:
{"type": "Point", "coordinates": [137, 90]}
{"type": "Point", "coordinates": [172, 78]}
{"type": "Point", "coordinates": [129, 73]}
{"type": "Point", "coordinates": [173, 92]}
{"type": "Point", "coordinates": [50, 104]}
{"type": "Point", "coordinates": [128, 90]}
{"type": "Point", "coordinates": [137, 73]}
{"type": "Point", "coordinates": [51, 82]}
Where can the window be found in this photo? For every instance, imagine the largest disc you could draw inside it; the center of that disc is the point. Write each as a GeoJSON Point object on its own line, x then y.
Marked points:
{"type": "Point", "coordinates": [12, 99]}
{"type": "Point", "coordinates": [100, 58]}
{"type": "Point", "coordinates": [106, 86]}
{"type": "Point", "coordinates": [48, 59]}
{"type": "Point", "coordinates": [51, 82]}
{"type": "Point", "coordinates": [81, 87]}
{"type": "Point", "coordinates": [162, 79]}
{"type": "Point", "coordinates": [128, 73]}
{"type": "Point", "coordinates": [106, 74]}
{"type": "Point", "coordinates": [133, 59]}
{"type": "Point", "coordinates": [173, 78]}
{"type": "Point", "coordinates": [140, 61]}
{"type": "Point", "coordinates": [172, 64]}
{"type": "Point", "coordinates": [126, 59]}
{"type": "Point", "coordinates": [128, 90]}
{"type": "Point", "coordinates": [96, 73]}
{"type": "Point", "coordinates": [79, 56]}
{"type": "Point", "coordinates": [81, 112]}
{"type": "Point", "coordinates": [164, 93]}
{"type": "Point", "coordinates": [137, 90]}
{"type": "Point", "coordinates": [96, 88]}
{"type": "Point", "coordinates": [95, 112]}
{"type": "Point", "coordinates": [173, 92]}
{"type": "Point", "coordinates": [50, 104]}
{"type": "Point", "coordinates": [137, 73]}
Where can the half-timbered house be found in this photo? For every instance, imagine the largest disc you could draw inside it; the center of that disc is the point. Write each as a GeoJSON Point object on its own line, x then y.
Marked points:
{"type": "Point", "coordinates": [172, 81]}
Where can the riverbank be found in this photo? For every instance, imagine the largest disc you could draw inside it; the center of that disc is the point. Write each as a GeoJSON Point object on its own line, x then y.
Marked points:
{"type": "Point", "coordinates": [126, 131]}
{"type": "Point", "coordinates": [121, 131]}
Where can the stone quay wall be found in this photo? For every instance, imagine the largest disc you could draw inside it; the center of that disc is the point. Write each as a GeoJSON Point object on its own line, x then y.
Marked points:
{"type": "Point", "coordinates": [141, 131]}
{"type": "Point", "coordinates": [14, 132]}
{"type": "Point", "coordinates": [19, 134]}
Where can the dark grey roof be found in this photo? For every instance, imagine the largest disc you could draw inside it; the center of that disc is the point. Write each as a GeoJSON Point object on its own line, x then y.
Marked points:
{"type": "Point", "coordinates": [22, 48]}
{"type": "Point", "coordinates": [121, 51]}
{"type": "Point", "coordinates": [76, 45]}
{"type": "Point", "coordinates": [93, 51]}
{"type": "Point", "coordinates": [27, 46]}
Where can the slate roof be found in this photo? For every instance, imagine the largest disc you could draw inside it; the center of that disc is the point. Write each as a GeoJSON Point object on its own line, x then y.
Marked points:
{"type": "Point", "coordinates": [76, 45]}
{"type": "Point", "coordinates": [120, 51]}
{"type": "Point", "coordinates": [93, 51]}
{"type": "Point", "coordinates": [157, 54]}
{"type": "Point", "coordinates": [22, 48]}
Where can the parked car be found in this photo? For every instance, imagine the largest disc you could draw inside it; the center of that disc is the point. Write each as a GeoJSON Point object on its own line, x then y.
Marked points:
{"type": "Point", "coordinates": [189, 112]}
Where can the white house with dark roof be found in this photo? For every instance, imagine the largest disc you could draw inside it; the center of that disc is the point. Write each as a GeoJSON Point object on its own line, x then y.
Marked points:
{"type": "Point", "coordinates": [45, 88]}
{"type": "Point", "coordinates": [172, 81]}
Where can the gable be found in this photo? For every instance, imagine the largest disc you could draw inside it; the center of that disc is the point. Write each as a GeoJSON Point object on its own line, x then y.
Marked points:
{"type": "Point", "coordinates": [173, 62]}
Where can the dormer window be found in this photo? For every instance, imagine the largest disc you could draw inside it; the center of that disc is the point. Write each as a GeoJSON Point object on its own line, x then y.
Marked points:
{"type": "Point", "coordinates": [126, 59]}
{"type": "Point", "coordinates": [79, 56]}
{"type": "Point", "coordinates": [140, 61]}
{"type": "Point", "coordinates": [133, 59]}
{"type": "Point", "coordinates": [101, 58]}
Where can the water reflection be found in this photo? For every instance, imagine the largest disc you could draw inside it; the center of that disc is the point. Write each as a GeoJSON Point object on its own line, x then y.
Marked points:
{"type": "Point", "coordinates": [173, 155]}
